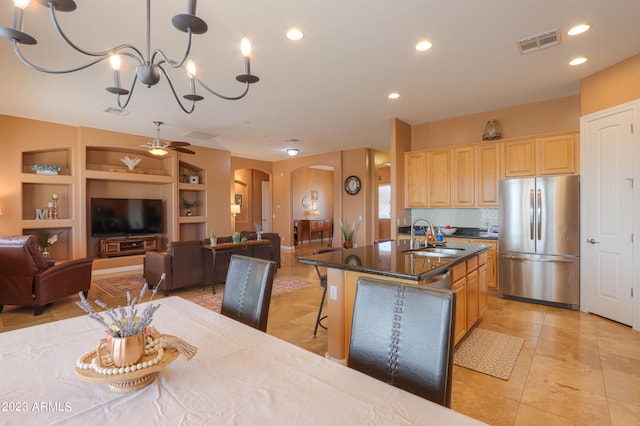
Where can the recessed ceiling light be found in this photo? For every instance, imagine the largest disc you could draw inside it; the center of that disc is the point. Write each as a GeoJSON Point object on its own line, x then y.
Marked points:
{"type": "Point", "coordinates": [424, 45]}
{"type": "Point", "coordinates": [578, 61]}
{"type": "Point", "coordinates": [394, 95]}
{"type": "Point", "coordinates": [579, 29]}
{"type": "Point", "coordinates": [295, 34]}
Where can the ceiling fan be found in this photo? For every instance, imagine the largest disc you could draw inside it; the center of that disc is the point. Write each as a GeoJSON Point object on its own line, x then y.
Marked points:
{"type": "Point", "coordinates": [157, 147]}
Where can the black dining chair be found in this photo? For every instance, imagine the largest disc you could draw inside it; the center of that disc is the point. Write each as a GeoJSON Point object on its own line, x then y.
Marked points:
{"type": "Point", "coordinates": [247, 290]}
{"type": "Point", "coordinates": [323, 282]}
{"type": "Point", "coordinates": [403, 335]}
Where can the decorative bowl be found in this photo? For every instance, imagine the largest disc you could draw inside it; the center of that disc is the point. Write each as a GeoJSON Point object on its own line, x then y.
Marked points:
{"type": "Point", "coordinates": [46, 169]}
{"type": "Point", "coordinates": [449, 231]}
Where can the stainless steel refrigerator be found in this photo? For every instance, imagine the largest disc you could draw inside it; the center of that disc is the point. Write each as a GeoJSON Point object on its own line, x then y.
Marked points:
{"type": "Point", "coordinates": [539, 240]}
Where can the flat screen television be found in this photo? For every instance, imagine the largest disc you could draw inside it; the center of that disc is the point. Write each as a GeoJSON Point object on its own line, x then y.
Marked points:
{"type": "Point", "coordinates": [117, 217]}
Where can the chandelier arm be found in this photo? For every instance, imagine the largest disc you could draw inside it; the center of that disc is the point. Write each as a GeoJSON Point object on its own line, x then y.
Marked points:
{"type": "Point", "coordinates": [171, 62]}
{"type": "Point", "coordinates": [175, 95]}
{"type": "Point", "coordinates": [133, 86]}
{"type": "Point", "coordinates": [33, 66]}
{"type": "Point", "coordinates": [106, 53]}
{"type": "Point", "coordinates": [229, 98]}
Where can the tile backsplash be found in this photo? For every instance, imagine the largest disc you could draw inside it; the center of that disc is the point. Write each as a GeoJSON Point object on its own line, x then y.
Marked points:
{"type": "Point", "coordinates": [467, 218]}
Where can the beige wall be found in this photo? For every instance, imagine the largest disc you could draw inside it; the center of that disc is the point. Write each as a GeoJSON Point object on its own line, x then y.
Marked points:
{"type": "Point", "coordinates": [521, 120]}
{"type": "Point", "coordinates": [306, 180]}
{"type": "Point", "coordinates": [612, 86]}
{"type": "Point", "coordinates": [400, 143]}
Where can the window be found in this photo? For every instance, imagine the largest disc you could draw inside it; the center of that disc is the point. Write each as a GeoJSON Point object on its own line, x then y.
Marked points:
{"type": "Point", "coordinates": [384, 201]}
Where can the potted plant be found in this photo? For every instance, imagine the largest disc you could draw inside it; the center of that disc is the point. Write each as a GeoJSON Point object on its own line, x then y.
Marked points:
{"type": "Point", "coordinates": [348, 232]}
{"type": "Point", "coordinates": [188, 205]}
{"type": "Point", "coordinates": [46, 240]}
{"type": "Point", "coordinates": [213, 238]}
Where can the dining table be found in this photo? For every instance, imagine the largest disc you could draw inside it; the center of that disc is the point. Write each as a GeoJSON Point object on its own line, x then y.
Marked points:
{"type": "Point", "coordinates": [239, 375]}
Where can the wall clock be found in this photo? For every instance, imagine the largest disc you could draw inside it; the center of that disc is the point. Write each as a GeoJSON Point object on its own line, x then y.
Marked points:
{"type": "Point", "coordinates": [352, 185]}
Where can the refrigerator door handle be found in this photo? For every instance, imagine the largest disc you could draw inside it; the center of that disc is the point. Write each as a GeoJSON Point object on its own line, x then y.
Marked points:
{"type": "Point", "coordinates": [539, 214]}
{"type": "Point", "coordinates": [533, 259]}
{"type": "Point", "coordinates": [531, 213]}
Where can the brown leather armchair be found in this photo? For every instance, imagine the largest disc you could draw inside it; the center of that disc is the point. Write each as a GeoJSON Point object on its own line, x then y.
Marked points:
{"type": "Point", "coordinates": [186, 264]}
{"type": "Point", "coordinates": [29, 279]}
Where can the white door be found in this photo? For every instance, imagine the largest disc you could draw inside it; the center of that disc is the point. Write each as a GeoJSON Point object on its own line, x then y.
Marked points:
{"type": "Point", "coordinates": [266, 206]}
{"type": "Point", "coordinates": [607, 196]}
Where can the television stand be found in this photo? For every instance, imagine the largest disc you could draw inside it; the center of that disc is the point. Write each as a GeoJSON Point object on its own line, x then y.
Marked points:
{"type": "Point", "coordinates": [129, 245]}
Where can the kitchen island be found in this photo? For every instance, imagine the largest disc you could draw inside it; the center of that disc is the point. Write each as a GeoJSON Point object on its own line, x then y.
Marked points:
{"type": "Point", "coordinates": [465, 263]}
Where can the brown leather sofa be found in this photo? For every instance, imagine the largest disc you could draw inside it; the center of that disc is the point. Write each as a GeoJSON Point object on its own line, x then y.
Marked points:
{"type": "Point", "coordinates": [27, 278]}
{"type": "Point", "coordinates": [186, 264]}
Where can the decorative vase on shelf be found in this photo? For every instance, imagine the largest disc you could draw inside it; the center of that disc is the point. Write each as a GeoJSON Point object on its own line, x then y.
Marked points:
{"type": "Point", "coordinates": [347, 244]}
{"type": "Point", "coordinates": [189, 212]}
{"type": "Point", "coordinates": [45, 251]}
{"type": "Point", "coordinates": [213, 241]}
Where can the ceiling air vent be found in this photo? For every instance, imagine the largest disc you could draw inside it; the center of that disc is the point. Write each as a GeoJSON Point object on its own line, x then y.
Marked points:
{"type": "Point", "coordinates": [116, 111]}
{"type": "Point", "coordinates": [199, 135]}
{"type": "Point", "coordinates": [538, 42]}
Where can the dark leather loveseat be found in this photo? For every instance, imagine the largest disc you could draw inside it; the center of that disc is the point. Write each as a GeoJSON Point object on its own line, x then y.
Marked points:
{"type": "Point", "coordinates": [27, 278]}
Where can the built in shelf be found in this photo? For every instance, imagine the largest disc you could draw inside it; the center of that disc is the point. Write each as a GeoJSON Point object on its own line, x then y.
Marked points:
{"type": "Point", "coordinates": [192, 219]}
{"type": "Point", "coordinates": [128, 177]}
{"type": "Point", "coordinates": [47, 223]}
{"type": "Point", "coordinates": [192, 187]}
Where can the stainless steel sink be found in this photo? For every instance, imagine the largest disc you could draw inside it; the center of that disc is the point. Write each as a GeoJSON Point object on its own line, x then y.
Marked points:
{"type": "Point", "coordinates": [437, 252]}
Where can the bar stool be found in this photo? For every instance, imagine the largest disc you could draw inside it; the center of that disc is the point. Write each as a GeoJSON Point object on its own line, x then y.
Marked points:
{"type": "Point", "coordinates": [323, 283]}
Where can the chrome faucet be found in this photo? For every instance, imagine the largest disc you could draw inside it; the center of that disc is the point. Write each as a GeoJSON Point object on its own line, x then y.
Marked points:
{"type": "Point", "coordinates": [413, 231]}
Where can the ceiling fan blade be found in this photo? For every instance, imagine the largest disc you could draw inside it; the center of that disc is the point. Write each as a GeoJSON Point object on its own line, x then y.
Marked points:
{"type": "Point", "coordinates": [179, 149]}
{"type": "Point", "coordinates": [179, 143]}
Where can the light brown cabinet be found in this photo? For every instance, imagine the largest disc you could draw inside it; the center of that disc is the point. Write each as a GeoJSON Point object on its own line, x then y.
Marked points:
{"type": "Point", "coordinates": [544, 155]}
{"type": "Point", "coordinates": [458, 275]}
{"type": "Point", "coordinates": [488, 173]}
{"type": "Point", "coordinates": [439, 178]}
{"type": "Point", "coordinates": [415, 184]}
{"type": "Point", "coordinates": [557, 155]}
{"type": "Point", "coordinates": [469, 282]}
{"type": "Point", "coordinates": [463, 176]}
{"type": "Point", "coordinates": [491, 261]}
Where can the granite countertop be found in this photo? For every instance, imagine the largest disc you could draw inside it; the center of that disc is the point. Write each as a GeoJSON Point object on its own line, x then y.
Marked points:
{"type": "Point", "coordinates": [475, 233]}
{"type": "Point", "coordinates": [393, 259]}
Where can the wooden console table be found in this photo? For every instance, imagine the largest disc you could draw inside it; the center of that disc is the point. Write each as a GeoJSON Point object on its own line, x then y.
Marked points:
{"type": "Point", "coordinates": [221, 247]}
{"type": "Point", "coordinates": [310, 226]}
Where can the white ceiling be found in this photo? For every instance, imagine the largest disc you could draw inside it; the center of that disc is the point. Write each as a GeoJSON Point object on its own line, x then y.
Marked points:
{"type": "Point", "coordinates": [329, 90]}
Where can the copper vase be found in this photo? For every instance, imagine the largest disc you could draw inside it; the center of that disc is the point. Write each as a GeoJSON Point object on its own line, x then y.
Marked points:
{"type": "Point", "coordinates": [126, 351]}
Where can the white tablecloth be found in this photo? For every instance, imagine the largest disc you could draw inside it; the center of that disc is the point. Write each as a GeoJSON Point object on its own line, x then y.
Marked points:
{"type": "Point", "coordinates": [238, 376]}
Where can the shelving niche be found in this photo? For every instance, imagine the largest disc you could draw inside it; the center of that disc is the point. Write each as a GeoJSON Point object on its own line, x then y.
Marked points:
{"type": "Point", "coordinates": [193, 226]}
{"type": "Point", "coordinates": [37, 192]}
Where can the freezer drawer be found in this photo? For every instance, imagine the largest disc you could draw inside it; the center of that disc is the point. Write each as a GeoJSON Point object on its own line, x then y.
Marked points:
{"type": "Point", "coordinates": [544, 278]}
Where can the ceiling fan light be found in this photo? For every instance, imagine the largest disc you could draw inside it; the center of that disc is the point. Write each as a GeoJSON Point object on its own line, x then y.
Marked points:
{"type": "Point", "coordinates": [158, 151]}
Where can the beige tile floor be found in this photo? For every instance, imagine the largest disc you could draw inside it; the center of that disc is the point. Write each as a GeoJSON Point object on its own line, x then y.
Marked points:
{"type": "Point", "coordinates": [574, 368]}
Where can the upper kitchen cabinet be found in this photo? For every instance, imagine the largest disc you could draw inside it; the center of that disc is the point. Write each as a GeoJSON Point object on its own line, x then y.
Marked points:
{"type": "Point", "coordinates": [488, 173]}
{"type": "Point", "coordinates": [439, 177]}
{"type": "Point", "coordinates": [557, 155]}
{"type": "Point", "coordinates": [415, 184]}
{"type": "Point", "coordinates": [463, 176]}
{"type": "Point", "coordinates": [520, 158]}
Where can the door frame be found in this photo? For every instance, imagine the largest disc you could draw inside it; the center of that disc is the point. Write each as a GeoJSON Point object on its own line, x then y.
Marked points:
{"type": "Point", "coordinates": [635, 107]}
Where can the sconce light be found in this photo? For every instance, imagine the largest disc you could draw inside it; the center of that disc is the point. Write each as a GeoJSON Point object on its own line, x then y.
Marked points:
{"type": "Point", "coordinates": [235, 209]}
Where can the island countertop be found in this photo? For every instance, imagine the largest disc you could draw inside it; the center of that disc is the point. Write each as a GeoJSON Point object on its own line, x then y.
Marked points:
{"type": "Point", "coordinates": [394, 259]}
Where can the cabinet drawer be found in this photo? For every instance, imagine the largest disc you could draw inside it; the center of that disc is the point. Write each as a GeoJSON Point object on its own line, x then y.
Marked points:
{"type": "Point", "coordinates": [458, 271]}
{"type": "Point", "coordinates": [472, 263]}
{"type": "Point", "coordinates": [482, 258]}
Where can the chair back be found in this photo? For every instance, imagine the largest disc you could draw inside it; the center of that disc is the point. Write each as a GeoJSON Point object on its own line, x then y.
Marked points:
{"type": "Point", "coordinates": [403, 335]}
{"type": "Point", "coordinates": [247, 290]}
{"type": "Point", "coordinates": [187, 262]}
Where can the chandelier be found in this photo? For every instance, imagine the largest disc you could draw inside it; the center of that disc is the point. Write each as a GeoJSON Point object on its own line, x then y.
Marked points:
{"type": "Point", "coordinates": [149, 69]}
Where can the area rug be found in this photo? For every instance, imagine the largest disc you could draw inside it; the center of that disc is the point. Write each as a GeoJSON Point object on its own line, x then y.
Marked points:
{"type": "Point", "coordinates": [118, 286]}
{"type": "Point", "coordinates": [280, 285]}
{"type": "Point", "coordinates": [489, 352]}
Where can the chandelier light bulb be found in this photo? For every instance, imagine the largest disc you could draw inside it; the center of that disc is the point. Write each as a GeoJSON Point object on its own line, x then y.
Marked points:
{"type": "Point", "coordinates": [22, 4]}
{"type": "Point", "coordinates": [191, 69]}
{"type": "Point", "coordinates": [245, 47]}
{"type": "Point", "coordinates": [114, 60]}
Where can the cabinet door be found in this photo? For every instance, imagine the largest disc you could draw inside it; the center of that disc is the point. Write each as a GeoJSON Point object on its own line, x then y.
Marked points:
{"type": "Point", "coordinates": [487, 174]}
{"type": "Point", "coordinates": [492, 269]}
{"type": "Point", "coordinates": [472, 298]}
{"type": "Point", "coordinates": [415, 187]}
{"type": "Point", "coordinates": [482, 289]}
{"type": "Point", "coordinates": [460, 289]}
{"type": "Point", "coordinates": [556, 155]}
{"type": "Point", "coordinates": [519, 158]}
{"type": "Point", "coordinates": [439, 177]}
{"type": "Point", "coordinates": [463, 177]}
